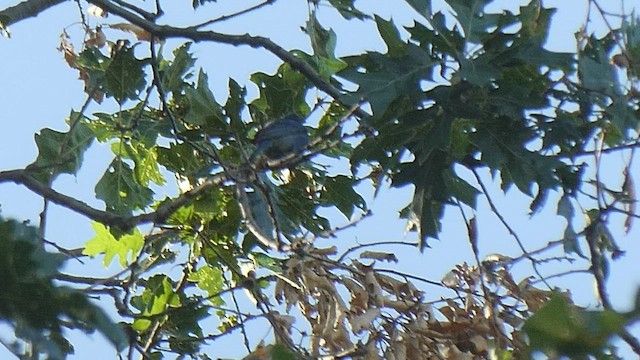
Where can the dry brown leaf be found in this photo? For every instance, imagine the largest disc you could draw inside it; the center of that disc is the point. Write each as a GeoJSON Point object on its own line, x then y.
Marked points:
{"type": "Point", "coordinates": [96, 39]}
{"type": "Point", "coordinates": [67, 50]}
{"type": "Point", "coordinates": [140, 33]}
{"type": "Point", "coordinates": [402, 289]}
{"type": "Point", "coordinates": [399, 306]}
{"type": "Point", "coordinates": [381, 256]}
{"type": "Point", "coordinates": [451, 280]}
{"type": "Point", "coordinates": [397, 351]}
{"type": "Point", "coordinates": [364, 321]}
{"type": "Point", "coordinates": [312, 280]}
{"type": "Point", "coordinates": [324, 251]}
{"type": "Point", "coordinates": [371, 352]}
{"type": "Point", "coordinates": [339, 339]}
{"type": "Point", "coordinates": [359, 296]}
{"type": "Point", "coordinates": [621, 61]}
{"type": "Point", "coordinates": [374, 288]}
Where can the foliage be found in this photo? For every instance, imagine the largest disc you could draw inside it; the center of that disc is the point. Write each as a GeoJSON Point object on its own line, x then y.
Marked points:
{"type": "Point", "coordinates": [34, 306]}
{"type": "Point", "coordinates": [462, 91]}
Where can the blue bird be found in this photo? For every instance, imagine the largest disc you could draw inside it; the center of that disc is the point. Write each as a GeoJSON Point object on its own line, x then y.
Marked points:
{"type": "Point", "coordinates": [279, 139]}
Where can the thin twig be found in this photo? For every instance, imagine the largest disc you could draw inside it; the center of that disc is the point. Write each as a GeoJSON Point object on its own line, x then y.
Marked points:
{"type": "Point", "coordinates": [230, 16]}
{"type": "Point", "coordinates": [192, 33]}
{"type": "Point", "coordinates": [243, 329]}
{"type": "Point", "coordinates": [413, 277]}
{"type": "Point", "coordinates": [563, 274]}
{"type": "Point", "coordinates": [110, 281]}
{"type": "Point", "coordinates": [504, 222]}
{"type": "Point", "coordinates": [376, 243]}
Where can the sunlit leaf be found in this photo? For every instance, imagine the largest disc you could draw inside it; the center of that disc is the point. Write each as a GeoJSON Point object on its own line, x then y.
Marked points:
{"type": "Point", "coordinates": [126, 248]}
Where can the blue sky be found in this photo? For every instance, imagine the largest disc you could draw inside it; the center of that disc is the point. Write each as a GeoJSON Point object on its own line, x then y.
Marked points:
{"type": "Point", "coordinates": [39, 90]}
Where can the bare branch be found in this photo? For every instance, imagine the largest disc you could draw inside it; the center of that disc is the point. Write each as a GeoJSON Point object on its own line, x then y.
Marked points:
{"type": "Point", "coordinates": [509, 228]}
{"type": "Point", "coordinates": [241, 12]}
{"type": "Point", "coordinates": [25, 10]}
{"type": "Point", "coordinates": [163, 212]}
{"type": "Point", "coordinates": [110, 281]}
{"type": "Point", "coordinates": [145, 14]}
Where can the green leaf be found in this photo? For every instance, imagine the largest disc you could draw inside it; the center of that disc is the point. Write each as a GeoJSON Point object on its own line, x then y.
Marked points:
{"type": "Point", "coordinates": [502, 143]}
{"type": "Point", "coordinates": [27, 270]}
{"type": "Point", "coordinates": [326, 67]}
{"type": "Point", "coordinates": [440, 40]}
{"type": "Point", "coordinates": [347, 9]}
{"type": "Point", "coordinates": [425, 212]}
{"type": "Point", "coordinates": [535, 21]}
{"type": "Point", "coordinates": [141, 325]}
{"type": "Point", "coordinates": [210, 280]}
{"type": "Point", "coordinates": [203, 108]}
{"type": "Point", "coordinates": [423, 7]}
{"type": "Point", "coordinates": [595, 71]}
{"type": "Point", "coordinates": [460, 189]}
{"type": "Point", "coordinates": [564, 329]}
{"type": "Point", "coordinates": [197, 3]}
{"type": "Point", "coordinates": [339, 191]}
{"type": "Point", "coordinates": [61, 153]}
{"type": "Point", "coordinates": [622, 114]}
{"type": "Point", "coordinates": [534, 53]}
{"type": "Point", "coordinates": [146, 161]}
{"type": "Point", "coordinates": [157, 296]}
{"type": "Point", "coordinates": [479, 71]}
{"type": "Point", "coordinates": [281, 352]}
{"type": "Point", "coordinates": [473, 19]}
{"type": "Point", "coordinates": [383, 79]}
{"type": "Point", "coordinates": [184, 329]}
{"type": "Point", "coordinates": [125, 77]}
{"type": "Point", "coordinates": [396, 47]}
{"type": "Point", "coordinates": [175, 72]}
{"type": "Point", "coordinates": [33, 305]}
{"type": "Point", "coordinates": [281, 93]}
{"type": "Point", "coordinates": [296, 206]}
{"type": "Point", "coordinates": [596, 75]}
{"type": "Point", "coordinates": [120, 191]}
{"type": "Point", "coordinates": [94, 65]}
{"type": "Point", "coordinates": [143, 125]}
{"type": "Point", "coordinates": [180, 158]}
{"type": "Point", "coordinates": [235, 104]}
{"type": "Point", "coordinates": [127, 247]}
{"type": "Point", "coordinates": [265, 261]}
{"type": "Point", "coordinates": [432, 133]}
{"type": "Point", "coordinates": [323, 41]}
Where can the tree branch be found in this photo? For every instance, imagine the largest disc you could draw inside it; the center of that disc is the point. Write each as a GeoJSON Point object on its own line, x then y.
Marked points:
{"type": "Point", "coordinates": [163, 212]}
{"type": "Point", "coordinates": [25, 10]}
{"type": "Point", "coordinates": [192, 33]}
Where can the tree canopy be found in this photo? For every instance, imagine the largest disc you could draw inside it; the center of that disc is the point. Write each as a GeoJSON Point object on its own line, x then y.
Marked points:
{"type": "Point", "coordinates": [208, 242]}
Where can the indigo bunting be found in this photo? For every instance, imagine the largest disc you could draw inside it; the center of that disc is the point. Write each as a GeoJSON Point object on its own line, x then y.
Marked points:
{"type": "Point", "coordinates": [280, 138]}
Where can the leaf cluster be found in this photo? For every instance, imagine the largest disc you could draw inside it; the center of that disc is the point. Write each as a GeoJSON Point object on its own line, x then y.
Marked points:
{"type": "Point", "coordinates": [461, 90]}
